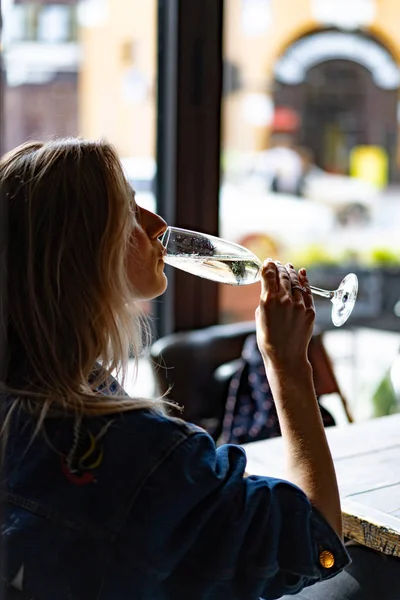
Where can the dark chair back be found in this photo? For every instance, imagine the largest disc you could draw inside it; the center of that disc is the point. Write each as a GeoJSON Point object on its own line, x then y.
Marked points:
{"type": "Point", "coordinates": [198, 366]}
{"type": "Point", "coordinates": [187, 361]}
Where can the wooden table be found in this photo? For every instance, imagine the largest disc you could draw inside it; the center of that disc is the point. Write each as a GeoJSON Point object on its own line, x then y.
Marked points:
{"type": "Point", "coordinates": [367, 462]}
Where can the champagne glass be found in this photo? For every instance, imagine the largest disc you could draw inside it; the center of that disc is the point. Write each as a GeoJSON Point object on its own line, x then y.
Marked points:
{"type": "Point", "coordinates": [226, 262]}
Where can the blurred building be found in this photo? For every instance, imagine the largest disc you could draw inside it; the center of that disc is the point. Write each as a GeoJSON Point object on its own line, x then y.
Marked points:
{"type": "Point", "coordinates": [325, 71]}
{"type": "Point", "coordinates": [41, 61]}
{"type": "Point", "coordinates": [118, 74]}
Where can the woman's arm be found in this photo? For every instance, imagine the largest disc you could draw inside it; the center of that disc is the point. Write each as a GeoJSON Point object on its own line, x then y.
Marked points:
{"type": "Point", "coordinates": [285, 319]}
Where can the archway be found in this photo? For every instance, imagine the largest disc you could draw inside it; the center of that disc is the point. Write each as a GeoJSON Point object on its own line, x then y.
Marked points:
{"type": "Point", "coordinates": [344, 87]}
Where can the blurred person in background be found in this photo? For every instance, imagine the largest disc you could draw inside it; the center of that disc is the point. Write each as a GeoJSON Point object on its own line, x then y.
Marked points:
{"type": "Point", "coordinates": [281, 166]}
{"type": "Point", "coordinates": [307, 164]}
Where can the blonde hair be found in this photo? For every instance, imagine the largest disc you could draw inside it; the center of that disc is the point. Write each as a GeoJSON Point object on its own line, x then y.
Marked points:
{"type": "Point", "coordinates": [70, 304]}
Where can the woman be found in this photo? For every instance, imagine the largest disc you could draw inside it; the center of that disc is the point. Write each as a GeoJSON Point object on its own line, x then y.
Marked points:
{"type": "Point", "coordinates": [107, 497]}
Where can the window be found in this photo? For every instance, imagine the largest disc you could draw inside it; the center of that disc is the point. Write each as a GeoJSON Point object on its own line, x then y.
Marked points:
{"type": "Point", "coordinates": [112, 94]}
{"type": "Point", "coordinates": [310, 141]}
{"type": "Point", "coordinates": [35, 22]}
{"type": "Point", "coordinates": [54, 23]}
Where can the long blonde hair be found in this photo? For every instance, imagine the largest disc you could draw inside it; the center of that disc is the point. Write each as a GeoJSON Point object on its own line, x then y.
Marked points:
{"type": "Point", "coordinates": [69, 303]}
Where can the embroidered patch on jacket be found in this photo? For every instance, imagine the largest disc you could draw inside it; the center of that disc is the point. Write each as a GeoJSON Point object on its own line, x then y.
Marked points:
{"type": "Point", "coordinates": [85, 456]}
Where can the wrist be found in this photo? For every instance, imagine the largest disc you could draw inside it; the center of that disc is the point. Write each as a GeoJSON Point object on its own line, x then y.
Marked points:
{"type": "Point", "coordinates": [297, 369]}
{"type": "Point", "coordinates": [293, 385]}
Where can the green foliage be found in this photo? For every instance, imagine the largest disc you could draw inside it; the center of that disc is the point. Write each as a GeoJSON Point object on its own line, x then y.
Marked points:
{"type": "Point", "coordinates": [350, 256]}
{"type": "Point", "coordinates": [382, 256]}
{"type": "Point", "coordinates": [384, 399]}
{"type": "Point", "coordinates": [314, 255]}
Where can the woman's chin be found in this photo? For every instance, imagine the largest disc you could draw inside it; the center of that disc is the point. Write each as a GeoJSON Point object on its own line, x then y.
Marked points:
{"type": "Point", "coordinates": [157, 290]}
{"type": "Point", "coordinates": [163, 285]}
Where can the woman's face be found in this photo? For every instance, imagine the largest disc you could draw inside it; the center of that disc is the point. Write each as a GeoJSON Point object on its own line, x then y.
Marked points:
{"type": "Point", "coordinates": [145, 254]}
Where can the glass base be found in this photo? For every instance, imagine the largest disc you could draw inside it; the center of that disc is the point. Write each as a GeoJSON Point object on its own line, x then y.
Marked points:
{"type": "Point", "coordinates": [344, 300]}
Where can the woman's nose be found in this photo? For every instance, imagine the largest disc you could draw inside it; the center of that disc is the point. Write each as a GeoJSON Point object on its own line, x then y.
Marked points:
{"type": "Point", "coordinates": [153, 224]}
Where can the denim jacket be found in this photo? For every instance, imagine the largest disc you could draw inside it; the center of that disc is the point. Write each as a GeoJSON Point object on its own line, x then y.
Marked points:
{"type": "Point", "coordinates": [140, 506]}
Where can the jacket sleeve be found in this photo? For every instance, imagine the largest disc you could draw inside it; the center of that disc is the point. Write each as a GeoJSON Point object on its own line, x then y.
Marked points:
{"type": "Point", "coordinates": [252, 536]}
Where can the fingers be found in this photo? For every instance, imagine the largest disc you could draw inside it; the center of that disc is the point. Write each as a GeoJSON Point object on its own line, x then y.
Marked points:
{"type": "Point", "coordinates": [275, 278]}
{"type": "Point", "coordinates": [285, 285]}
{"type": "Point", "coordinates": [296, 287]}
{"type": "Point", "coordinates": [307, 295]}
{"type": "Point", "coordinates": [269, 278]}
{"type": "Point", "coordinates": [279, 279]}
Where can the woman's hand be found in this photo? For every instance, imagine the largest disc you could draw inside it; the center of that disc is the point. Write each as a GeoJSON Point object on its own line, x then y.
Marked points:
{"type": "Point", "coordinates": [285, 319]}
{"type": "Point", "coordinates": [285, 316]}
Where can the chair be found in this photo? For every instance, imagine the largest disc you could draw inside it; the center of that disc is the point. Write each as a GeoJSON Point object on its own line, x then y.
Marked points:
{"type": "Point", "coordinates": [196, 366]}
{"type": "Point", "coordinates": [187, 361]}
{"type": "Point", "coordinates": [325, 381]}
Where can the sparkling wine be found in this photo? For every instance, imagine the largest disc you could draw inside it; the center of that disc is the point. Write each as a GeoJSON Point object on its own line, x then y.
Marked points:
{"type": "Point", "coordinates": [224, 269]}
{"type": "Point", "coordinates": [226, 262]}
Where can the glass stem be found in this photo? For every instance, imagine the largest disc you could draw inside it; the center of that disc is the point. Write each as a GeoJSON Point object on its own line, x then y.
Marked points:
{"type": "Point", "coordinates": [323, 293]}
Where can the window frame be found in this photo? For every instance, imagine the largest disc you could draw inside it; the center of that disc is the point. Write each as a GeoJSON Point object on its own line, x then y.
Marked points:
{"type": "Point", "coordinates": [190, 66]}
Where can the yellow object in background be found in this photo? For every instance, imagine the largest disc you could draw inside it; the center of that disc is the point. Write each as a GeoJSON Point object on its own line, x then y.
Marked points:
{"type": "Point", "coordinates": [370, 163]}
